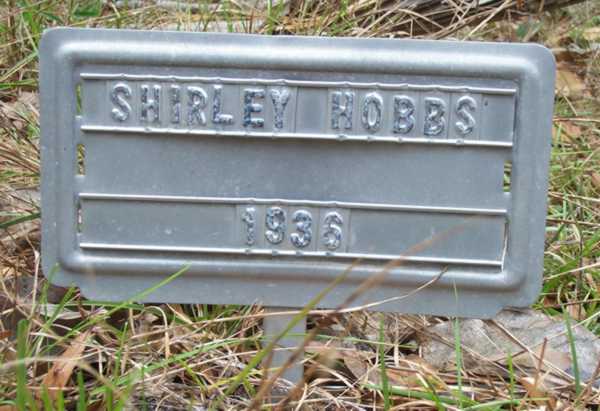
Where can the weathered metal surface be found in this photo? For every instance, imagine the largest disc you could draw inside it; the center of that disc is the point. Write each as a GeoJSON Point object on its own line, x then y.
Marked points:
{"type": "Point", "coordinates": [270, 164]}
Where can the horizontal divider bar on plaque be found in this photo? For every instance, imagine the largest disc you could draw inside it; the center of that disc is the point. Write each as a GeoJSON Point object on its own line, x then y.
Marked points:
{"type": "Point", "coordinates": [300, 83]}
{"type": "Point", "coordinates": [299, 136]}
{"type": "Point", "coordinates": [280, 201]}
{"type": "Point", "coordinates": [290, 253]}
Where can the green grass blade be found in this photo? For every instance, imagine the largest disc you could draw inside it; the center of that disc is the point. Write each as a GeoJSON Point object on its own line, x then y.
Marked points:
{"type": "Point", "coordinates": [22, 391]}
{"type": "Point", "coordinates": [108, 398]}
{"type": "Point", "coordinates": [93, 320]}
{"type": "Point", "coordinates": [60, 401]}
{"type": "Point", "coordinates": [19, 220]}
{"type": "Point", "coordinates": [511, 374]}
{"type": "Point", "coordinates": [81, 401]}
{"type": "Point", "coordinates": [129, 379]}
{"type": "Point", "coordinates": [385, 383]}
{"type": "Point", "coordinates": [571, 339]}
{"type": "Point", "coordinates": [417, 395]}
{"type": "Point", "coordinates": [46, 400]}
{"type": "Point", "coordinates": [458, 358]}
{"type": "Point", "coordinates": [493, 405]}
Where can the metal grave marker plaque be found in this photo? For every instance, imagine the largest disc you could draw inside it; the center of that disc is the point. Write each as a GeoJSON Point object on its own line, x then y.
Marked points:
{"type": "Point", "coordinates": [271, 164]}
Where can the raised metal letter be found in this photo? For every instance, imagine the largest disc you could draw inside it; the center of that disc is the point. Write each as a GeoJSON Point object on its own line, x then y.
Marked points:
{"type": "Point", "coordinates": [435, 122]}
{"type": "Point", "coordinates": [280, 99]}
{"type": "Point", "coordinates": [337, 110]}
{"type": "Point", "coordinates": [175, 104]}
{"type": "Point", "coordinates": [218, 117]}
{"type": "Point", "coordinates": [251, 107]}
{"type": "Point", "coordinates": [150, 104]}
{"type": "Point", "coordinates": [196, 104]}
{"type": "Point", "coordinates": [118, 95]}
{"type": "Point", "coordinates": [372, 112]}
{"type": "Point", "coordinates": [465, 108]}
{"type": "Point", "coordinates": [404, 119]}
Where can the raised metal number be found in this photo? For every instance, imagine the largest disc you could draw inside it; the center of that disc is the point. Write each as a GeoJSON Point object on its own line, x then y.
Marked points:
{"type": "Point", "coordinates": [275, 222]}
{"type": "Point", "coordinates": [249, 218]}
{"type": "Point", "coordinates": [332, 230]}
{"type": "Point", "coordinates": [303, 220]}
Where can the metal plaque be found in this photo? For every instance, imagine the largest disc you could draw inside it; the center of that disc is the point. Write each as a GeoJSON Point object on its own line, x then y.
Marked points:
{"type": "Point", "coordinates": [271, 164]}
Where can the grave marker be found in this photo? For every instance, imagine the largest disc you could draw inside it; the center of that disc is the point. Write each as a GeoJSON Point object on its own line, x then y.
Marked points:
{"type": "Point", "coordinates": [270, 164]}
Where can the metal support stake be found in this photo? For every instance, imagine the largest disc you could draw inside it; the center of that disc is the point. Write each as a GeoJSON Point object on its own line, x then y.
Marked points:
{"type": "Point", "coordinates": [273, 325]}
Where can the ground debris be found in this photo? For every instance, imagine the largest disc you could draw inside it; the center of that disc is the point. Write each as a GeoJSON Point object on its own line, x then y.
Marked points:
{"type": "Point", "coordinates": [592, 34]}
{"type": "Point", "coordinates": [60, 373]}
{"type": "Point", "coordinates": [396, 327]}
{"type": "Point", "coordinates": [519, 334]}
{"type": "Point", "coordinates": [17, 114]}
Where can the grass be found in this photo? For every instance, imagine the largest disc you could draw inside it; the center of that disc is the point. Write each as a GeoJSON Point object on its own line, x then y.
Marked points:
{"type": "Point", "coordinates": [23, 394]}
{"type": "Point", "coordinates": [144, 356]}
{"type": "Point", "coordinates": [385, 384]}
{"type": "Point", "coordinates": [571, 339]}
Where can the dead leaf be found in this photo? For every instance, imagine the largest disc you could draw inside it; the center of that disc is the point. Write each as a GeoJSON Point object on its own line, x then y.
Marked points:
{"type": "Point", "coordinates": [413, 371]}
{"type": "Point", "coordinates": [366, 325]}
{"type": "Point", "coordinates": [569, 84]}
{"type": "Point", "coordinates": [8, 408]}
{"type": "Point", "coordinates": [58, 376]}
{"type": "Point", "coordinates": [21, 111]}
{"type": "Point", "coordinates": [486, 342]}
{"type": "Point", "coordinates": [558, 38]}
{"type": "Point", "coordinates": [595, 177]}
{"type": "Point", "coordinates": [358, 363]}
{"type": "Point", "coordinates": [562, 54]}
{"type": "Point", "coordinates": [538, 390]}
{"type": "Point", "coordinates": [549, 301]}
{"type": "Point", "coordinates": [331, 347]}
{"type": "Point", "coordinates": [558, 359]}
{"type": "Point", "coordinates": [571, 130]}
{"type": "Point", "coordinates": [327, 353]}
{"type": "Point", "coordinates": [178, 311]}
{"type": "Point", "coordinates": [410, 373]}
{"type": "Point", "coordinates": [577, 311]}
{"type": "Point", "coordinates": [591, 281]}
{"type": "Point", "coordinates": [568, 131]}
{"type": "Point", "coordinates": [592, 34]}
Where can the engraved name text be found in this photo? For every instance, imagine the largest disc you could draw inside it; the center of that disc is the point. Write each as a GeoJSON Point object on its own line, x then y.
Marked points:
{"type": "Point", "coordinates": [256, 107]}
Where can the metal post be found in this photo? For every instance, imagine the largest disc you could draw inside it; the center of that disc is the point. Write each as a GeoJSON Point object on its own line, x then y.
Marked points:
{"type": "Point", "coordinates": [273, 325]}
